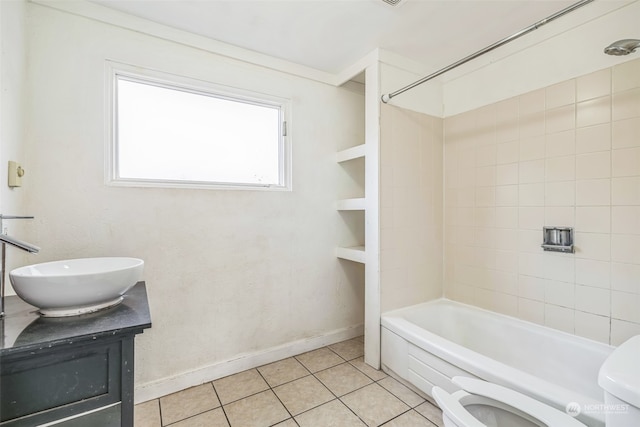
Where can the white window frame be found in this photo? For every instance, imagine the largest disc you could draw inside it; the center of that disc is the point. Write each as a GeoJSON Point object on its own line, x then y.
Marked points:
{"type": "Point", "coordinates": [162, 79]}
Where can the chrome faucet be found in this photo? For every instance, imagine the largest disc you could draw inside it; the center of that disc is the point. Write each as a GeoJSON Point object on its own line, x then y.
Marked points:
{"type": "Point", "coordinates": [13, 242]}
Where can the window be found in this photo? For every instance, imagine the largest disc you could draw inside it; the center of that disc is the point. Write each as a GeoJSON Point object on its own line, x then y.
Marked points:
{"type": "Point", "coordinates": [175, 132]}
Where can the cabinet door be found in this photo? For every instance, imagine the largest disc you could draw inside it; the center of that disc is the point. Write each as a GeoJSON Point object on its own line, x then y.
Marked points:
{"type": "Point", "coordinates": [59, 383]}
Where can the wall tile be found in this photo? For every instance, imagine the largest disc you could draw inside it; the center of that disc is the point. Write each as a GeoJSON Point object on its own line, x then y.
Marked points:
{"type": "Point", "coordinates": [593, 138]}
{"type": "Point", "coordinates": [626, 104]}
{"type": "Point", "coordinates": [622, 331]}
{"type": "Point", "coordinates": [507, 261]}
{"type": "Point", "coordinates": [625, 277]}
{"type": "Point", "coordinates": [532, 125]}
{"type": "Point", "coordinates": [625, 248]}
{"type": "Point", "coordinates": [596, 111]}
{"type": "Point", "coordinates": [593, 85]}
{"type": "Point", "coordinates": [506, 217]}
{"type": "Point", "coordinates": [592, 326]}
{"type": "Point", "coordinates": [507, 152]}
{"type": "Point", "coordinates": [532, 102]}
{"type": "Point", "coordinates": [559, 216]}
{"type": "Point", "coordinates": [531, 287]}
{"type": "Point", "coordinates": [593, 192]}
{"type": "Point", "coordinates": [626, 76]}
{"type": "Point", "coordinates": [531, 311]}
{"type": "Point", "coordinates": [507, 174]}
{"type": "Point", "coordinates": [559, 267]}
{"type": "Point", "coordinates": [626, 133]}
{"type": "Point", "coordinates": [565, 155]}
{"type": "Point", "coordinates": [531, 194]}
{"type": "Point", "coordinates": [625, 219]}
{"type": "Point", "coordinates": [561, 318]}
{"type": "Point", "coordinates": [560, 168]}
{"type": "Point", "coordinates": [593, 273]}
{"type": "Point", "coordinates": [560, 144]}
{"type": "Point", "coordinates": [561, 119]}
{"type": "Point", "coordinates": [560, 193]}
{"type": "Point", "coordinates": [625, 162]}
{"type": "Point", "coordinates": [532, 148]}
{"type": "Point", "coordinates": [593, 165]}
{"type": "Point", "coordinates": [485, 176]}
{"type": "Point", "coordinates": [625, 191]}
{"type": "Point", "coordinates": [593, 300]}
{"type": "Point", "coordinates": [531, 218]}
{"type": "Point", "coordinates": [624, 306]}
{"type": "Point", "coordinates": [529, 240]}
{"type": "Point", "coordinates": [561, 94]}
{"type": "Point", "coordinates": [531, 171]}
{"type": "Point", "coordinates": [593, 246]}
{"type": "Point", "coordinates": [593, 219]}
{"type": "Point", "coordinates": [507, 113]}
{"type": "Point", "coordinates": [560, 293]}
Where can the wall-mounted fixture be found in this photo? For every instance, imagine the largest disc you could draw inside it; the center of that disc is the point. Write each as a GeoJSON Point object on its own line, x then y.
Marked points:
{"type": "Point", "coordinates": [15, 174]}
{"type": "Point", "coordinates": [557, 239]}
{"type": "Point", "coordinates": [622, 47]}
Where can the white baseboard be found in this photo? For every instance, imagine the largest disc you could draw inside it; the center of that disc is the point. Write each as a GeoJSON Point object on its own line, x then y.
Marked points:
{"type": "Point", "coordinates": [162, 387]}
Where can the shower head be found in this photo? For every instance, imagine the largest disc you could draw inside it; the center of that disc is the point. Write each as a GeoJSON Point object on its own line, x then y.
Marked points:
{"type": "Point", "coordinates": [622, 47]}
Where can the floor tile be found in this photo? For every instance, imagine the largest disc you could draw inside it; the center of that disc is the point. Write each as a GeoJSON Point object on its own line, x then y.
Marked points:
{"type": "Point", "coordinates": [187, 403]}
{"type": "Point", "coordinates": [238, 386]}
{"type": "Point", "coordinates": [374, 374]}
{"type": "Point", "coordinates": [260, 410]}
{"type": "Point", "coordinates": [283, 371]}
{"type": "Point", "coordinates": [343, 379]}
{"type": "Point", "coordinates": [350, 349]}
{"type": "Point", "coordinates": [303, 394]}
{"type": "Point", "coordinates": [213, 418]}
{"type": "Point", "coordinates": [319, 359]}
{"type": "Point", "coordinates": [374, 405]}
{"type": "Point", "coordinates": [332, 414]}
{"type": "Point", "coordinates": [401, 391]}
{"type": "Point", "coordinates": [409, 419]}
{"type": "Point", "coordinates": [147, 414]}
{"type": "Point", "coordinates": [431, 412]}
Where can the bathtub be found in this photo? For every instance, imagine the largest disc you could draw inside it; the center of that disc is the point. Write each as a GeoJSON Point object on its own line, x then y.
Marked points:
{"type": "Point", "coordinates": [428, 344]}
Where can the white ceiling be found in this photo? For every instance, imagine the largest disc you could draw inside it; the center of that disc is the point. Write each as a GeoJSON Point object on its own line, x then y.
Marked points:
{"type": "Point", "coordinates": [330, 35]}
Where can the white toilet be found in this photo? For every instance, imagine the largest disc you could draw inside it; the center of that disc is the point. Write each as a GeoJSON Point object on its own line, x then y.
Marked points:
{"type": "Point", "coordinates": [620, 378]}
{"type": "Point", "coordinates": [483, 404]}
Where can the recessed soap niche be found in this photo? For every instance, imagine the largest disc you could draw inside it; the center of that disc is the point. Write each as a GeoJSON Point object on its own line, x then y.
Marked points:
{"type": "Point", "coordinates": [557, 239]}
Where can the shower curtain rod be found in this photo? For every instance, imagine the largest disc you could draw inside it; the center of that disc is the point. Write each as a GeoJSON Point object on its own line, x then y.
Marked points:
{"type": "Point", "coordinates": [386, 98]}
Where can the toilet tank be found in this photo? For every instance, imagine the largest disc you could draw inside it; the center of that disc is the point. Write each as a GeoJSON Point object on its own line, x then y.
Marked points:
{"type": "Point", "coordinates": [619, 376]}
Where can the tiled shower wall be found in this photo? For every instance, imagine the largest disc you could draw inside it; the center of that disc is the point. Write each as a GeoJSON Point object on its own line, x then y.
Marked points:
{"type": "Point", "coordinates": [565, 155]}
{"type": "Point", "coordinates": [410, 207]}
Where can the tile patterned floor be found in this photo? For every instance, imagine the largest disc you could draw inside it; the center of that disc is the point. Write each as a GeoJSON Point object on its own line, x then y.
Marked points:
{"type": "Point", "coordinates": [328, 387]}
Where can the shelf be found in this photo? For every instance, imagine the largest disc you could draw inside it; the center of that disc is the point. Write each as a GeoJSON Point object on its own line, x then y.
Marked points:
{"type": "Point", "coordinates": [350, 204]}
{"type": "Point", "coordinates": [350, 153]}
{"type": "Point", "coordinates": [355, 253]}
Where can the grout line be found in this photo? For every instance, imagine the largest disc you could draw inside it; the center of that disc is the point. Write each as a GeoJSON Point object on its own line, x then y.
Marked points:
{"type": "Point", "coordinates": [221, 405]}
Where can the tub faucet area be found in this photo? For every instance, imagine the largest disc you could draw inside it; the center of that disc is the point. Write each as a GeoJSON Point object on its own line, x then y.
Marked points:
{"type": "Point", "coordinates": [5, 239]}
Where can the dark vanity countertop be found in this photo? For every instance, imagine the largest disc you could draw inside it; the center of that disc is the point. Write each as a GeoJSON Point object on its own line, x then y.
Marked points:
{"type": "Point", "coordinates": [24, 330]}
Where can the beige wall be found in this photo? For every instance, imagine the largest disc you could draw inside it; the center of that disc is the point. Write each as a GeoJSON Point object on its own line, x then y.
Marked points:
{"type": "Point", "coordinates": [566, 155]}
{"type": "Point", "coordinates": [410, 207]}
{"type": "Point", "coordinates": [230, 274]}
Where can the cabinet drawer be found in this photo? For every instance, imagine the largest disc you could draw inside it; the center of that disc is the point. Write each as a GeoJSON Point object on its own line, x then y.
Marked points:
{"type": "Point", "coordinates": [65, 382]}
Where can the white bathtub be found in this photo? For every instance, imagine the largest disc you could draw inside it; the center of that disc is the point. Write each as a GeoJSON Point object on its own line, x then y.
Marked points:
{"type": "Point", "coordinates": [428, 344]}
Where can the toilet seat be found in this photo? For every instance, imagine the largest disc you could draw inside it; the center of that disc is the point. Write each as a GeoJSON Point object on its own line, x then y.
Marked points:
{"type": "Point", "coordinates": [453, 408]}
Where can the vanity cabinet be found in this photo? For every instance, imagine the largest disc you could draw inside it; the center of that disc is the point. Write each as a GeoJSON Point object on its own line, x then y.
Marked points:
{"type": "Point", "coordinates": [72, 371]}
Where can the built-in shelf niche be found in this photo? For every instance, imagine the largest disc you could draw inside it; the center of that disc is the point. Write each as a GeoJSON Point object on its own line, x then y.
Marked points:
{"type": "Point", "coordinates": [356, 204]}
{"type": "Point", "coordinates": [353, 253]}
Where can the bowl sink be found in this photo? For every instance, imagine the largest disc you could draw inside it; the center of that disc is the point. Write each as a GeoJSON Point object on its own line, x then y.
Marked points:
{"type": "Point", "coordinates": [76, 286]}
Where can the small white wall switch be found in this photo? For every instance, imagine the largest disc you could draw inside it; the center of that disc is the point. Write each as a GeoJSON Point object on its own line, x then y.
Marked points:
{"type": "Point", "coordinates": [15, 174]}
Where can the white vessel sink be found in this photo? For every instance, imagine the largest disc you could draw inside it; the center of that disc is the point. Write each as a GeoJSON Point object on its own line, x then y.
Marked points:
{"type": "Point", "coordinates": [76, 286]}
